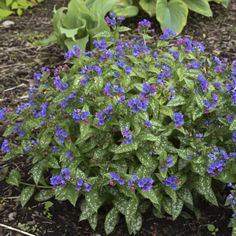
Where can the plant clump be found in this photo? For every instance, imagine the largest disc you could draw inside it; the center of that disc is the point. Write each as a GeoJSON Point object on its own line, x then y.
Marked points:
{"type": "Point", "coordinates": [130, 125]}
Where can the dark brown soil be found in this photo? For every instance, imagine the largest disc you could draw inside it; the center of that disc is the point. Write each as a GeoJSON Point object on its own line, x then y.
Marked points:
{"type": "Point", "coordinates": [19, 58]}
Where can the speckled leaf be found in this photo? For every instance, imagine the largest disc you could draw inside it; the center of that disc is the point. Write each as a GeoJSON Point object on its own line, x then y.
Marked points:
{"type": "Point", "coordinates": [44, 195]}
{"type": "Point", "coordinates": [131, 209]}
{"type": "Point", "coordinates": [112, 218]}
{"type": "Point", "coordinates": [135, 224]}
{"type": "Point", "coordinates": [185, 195]}
{"type": "Point", "coordinates": [203, 186]}
{"type": "Point", "coordinates": [177, 207]}
{"type": "Point", "coordinates": [93, 221]}
{"type": "Point", "coordinates": [26, 195]}
{"type": "Point", "coordinates": [14, 178]}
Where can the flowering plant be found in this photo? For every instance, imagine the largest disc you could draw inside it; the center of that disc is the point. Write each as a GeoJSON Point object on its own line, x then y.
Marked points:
{"type": "Point", "coordinates": [130, 125]}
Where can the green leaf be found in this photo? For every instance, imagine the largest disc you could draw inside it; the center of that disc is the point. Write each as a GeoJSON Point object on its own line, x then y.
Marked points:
{"type": "Point", "coordinates": [120, 204]}
{"type": "Point", "coordinates": [123, 148]}
{"type": "Point", "coordinates": [233, 125]}
{"type": "Point", "coordinates": [14, 178]}
{"type": "Point", "coordinates": [179, 100]}
{"type": "Point", "coordinates": [131, 209]}
{"type": "Point", "coordinates": [203, 186]}
{"type": "Point", "coordinates": [93, 221]}
{"type": "Point", "coordinates": [146, 160]}
{"type": "Point", "coordinates": [172, 14]}
{"type": "Point", "coordinates": [185, 195]}
{"type": "Point", "coordinates": [199, 6]}
{"type": "Point", "coordinates": [111, 220]}
{"type": "Point", "coordinates": [199, 165]}
{"type": "Point", "coordinates": [5, 13]}
{"type": "Point", "coordinates": [8, 131]}
{"type": "Point", "coordinates": [103, 34]}
{"type": "Point", "coordinates": [72, 194]}
{"type": "Point", "coordinates": [46, 138]}
{"type": "Point", "coordinates": [151, 195]}
{"type": "Point", "coordinates": [177, 207]}
{"type": "Point", "coordinates": [135, 224]}
{"type": "Point", "coordinates": [26, 195]}
{"type": "Point", "coordinates": [44, 195]}
{"type": "Point", "coordinates": [149, 6]}
{"type": "Point", "coordinates": [123, 29]}
{"type": "Point", "coordinates": [37, 171]}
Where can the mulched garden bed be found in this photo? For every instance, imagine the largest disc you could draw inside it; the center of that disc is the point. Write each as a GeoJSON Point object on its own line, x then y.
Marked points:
{"type": "Point", "coordinates": [20, 57]}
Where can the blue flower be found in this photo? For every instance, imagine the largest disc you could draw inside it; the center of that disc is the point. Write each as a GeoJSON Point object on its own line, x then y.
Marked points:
{"type": "Point", "coordinates": [203, 82]}
{"type": "Point", "coordinates": [65, 173]}
{"type": "Point", "coordinates": [5, 148]}
{"type": "Point", "coordinates": [3, 113]}
{"type": "Point", "coordinates": [169, 161]}
{"type": "Point", "coordinates": [148, 123]}
{"type": "Point", "coordinates": [170, 182]}
{"type": "Point", "coordinates": [168, 33]}
{"type": "Point", "coordinates": [178, 119]}
{"type": "Point", "coordinates": [145, 24]}
{"type": "Point", "coordinates": [70, 155]}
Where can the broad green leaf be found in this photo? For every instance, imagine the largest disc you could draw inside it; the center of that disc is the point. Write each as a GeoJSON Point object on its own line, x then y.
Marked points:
{"type": "Point", "coordinates": [44, 195]}
{"type": "Point", "coordinates": [93, 221]}
{"type": "Point", "coordinates": [8, 131]}
{"type": "Point", "coordinates": [148, 6]}
{"type": "Point", "coordinates": [198, 165]}
{"type": "Point", "coordinates": [185, 195]}
{"type": "Point", "coordinates": [37, 171]}
{"type": "Point", "coordinates": [177, 207]}
{"type": "Point", "coordinates": [131, 209]}
{"type": "Point", "coordinates": [123, 148]}
{"type": "Point", "coordinates": [26, 194]}
{"type": "Point", "coordinates": [146, 160]}
{"type": "Point", "coordinates": [72, 194]}
{"type": "Point", "coordinates": [199, 6]}
{"type": "Point", "coordinates": [111, 220]}
{"type": "Point", "coordinates": [135, 224]}
{"type": "Point", "coordinates": [70, 33]}
{"type": "Point", "coordinates": [172, 14]}
{"type": "Point", "coordinates": [179, 100]}
{"type": "Point", "coordinates": [5, 13]}
{"type": "Point", "coordinates": [151, 195]}
{"type": "Point", "coordinates": [203, 186]}
{"type": "Point", "coordinates": [14, 178]}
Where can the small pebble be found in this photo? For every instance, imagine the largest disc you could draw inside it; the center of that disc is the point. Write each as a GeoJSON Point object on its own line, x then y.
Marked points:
{"type": "Point", "coordinates": [8, 23]}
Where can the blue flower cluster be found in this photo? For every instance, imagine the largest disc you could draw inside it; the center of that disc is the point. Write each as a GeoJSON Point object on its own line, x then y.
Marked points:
{"type": "Point", "coordinates": [178, 119]}
{"type": "Point", "coordinates": [231, 198]}
{"type": "Point", "coordinates": [127, 134]}
{"type": "Point", "coordinates": [104, 115]}
{"type": "Point", "coordinates": [5, 147]}
{"type": "Point", "coordinates": [21, 107]}
{"type": "Point", "coordinates": [145, 184]}
{"type": "Point", "coordinates": [108, 90]}
{"type": "Point", "coordinates": [138, 104]}
{"type": "Point", "coordinates": [59, 84]}
{"type": "Point", "coordinates": [218, 161]}
{"type": "Point", "coordinates": [170, 182]}
{"type": "Point", "coordinates": [43, 111]}
{"type": "Point", "coordinates": [75, 52]}
{"type": "Point", "coordinates": [60, 180]}
{"type": "Point", "coordinates": [61, 134]}
{"type": "Point", "coordinates": [203, 82]}
{"type": "Point", "coordinates": [79, 115]}
{"type": "Point", "coordinates": [112, 20]}
{"type": "Point", "coordinates": [81, 183]}
{"type": "Point", "coordinates": [148, 89]}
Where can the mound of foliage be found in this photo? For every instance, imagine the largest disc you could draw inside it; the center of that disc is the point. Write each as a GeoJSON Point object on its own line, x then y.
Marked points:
{"type": "Point", "coordinates": [131, 126]}
{"type": "Point", "coordinates": [8, 7]}
{"type": "Point", "coordinates": [170, 14]}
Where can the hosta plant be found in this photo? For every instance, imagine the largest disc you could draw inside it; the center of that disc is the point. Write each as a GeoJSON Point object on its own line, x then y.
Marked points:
{"type": "Point", "coordinates": [132, 126]}
{"type": "Point", "coordinates": [78, 23]}
{"type": "Point", "coordinates": [170, 14]}
{"type": "Point", "coordinates": [8, 7]}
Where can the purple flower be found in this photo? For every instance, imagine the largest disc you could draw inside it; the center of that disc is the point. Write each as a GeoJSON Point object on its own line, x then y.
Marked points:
{"type": "Point", "coordinates": [37, 76]}
{"type": "Point", "coordinates": [104, 115]}
{"type": "Point", "coordinates": [199, 135]}
{"type": "Point", "coordinates": [234, 136]}
{"type": "Point", "coordinates": [3, 113]}
{"type": "Point", "coordinates": [203, 82]}
{"type": "Point", "coordinates": [128, 70]}
{"type": "Point", "coordinates": [88, 187]}
{"type": "Point", "coordinates": [148, 123]}
{"type": "Point", "coordinates": [61, 134]}
{"type": "Point", "coordinates": [216, 167]}
{"type": "Point", "coordinates": [57, 180]}
{"type": "Point", "coordinates": [5, 148]}
{"type": "Point", "coordinates": [22, 107]}
{"type": "Point", "coordinates": [168, 33]}
{"type": "Point", "coordinates": [170, 182]}
{"type": "Point", "coordinates": [169, 161]}
{"type": "Point", "coordinates": [127, 134]}
{"type": "Point", "coordinates": [145, 24]}
{"type": "Point", "coordinates": [178, 119]}
{"type": "Point", "coordinates": [107, 89]}
{"type": "Point", "coordinates": [70, 155]}
{"type": "Point", "coordinates": [65, 173]}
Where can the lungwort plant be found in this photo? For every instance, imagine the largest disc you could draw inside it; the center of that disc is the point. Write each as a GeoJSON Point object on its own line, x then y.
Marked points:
{"type": "Point", "coordinates": [79, 22]}
{"type": "Point", "coordinates": [170, 14]}
{"type": "Point", "coordinates": [131, 126]}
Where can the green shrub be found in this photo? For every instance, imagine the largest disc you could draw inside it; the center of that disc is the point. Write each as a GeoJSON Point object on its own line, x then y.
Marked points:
{"type": "Point", "coordinates": [79, 22]}
{"type": "Point", "coordinates": [8, 7]}
{"type": "Point", "coordinates": [131, 126]}
{"type": "Point", "coordinates": [170, 14]}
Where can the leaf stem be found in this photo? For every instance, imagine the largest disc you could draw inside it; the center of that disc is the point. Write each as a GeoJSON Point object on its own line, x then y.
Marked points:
{"type": "Point", "coordinates": [37, 186]}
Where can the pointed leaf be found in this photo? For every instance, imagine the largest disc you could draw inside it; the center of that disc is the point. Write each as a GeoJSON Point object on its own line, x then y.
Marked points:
{"type": "Point", "coordinates": [112, 218]}
{"type": "Point", "coordinates": [14, 178]}
{"type": "Point", "coordinates": [26, 195]}
{"type": "Point", "coordinates": [199, 6]}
